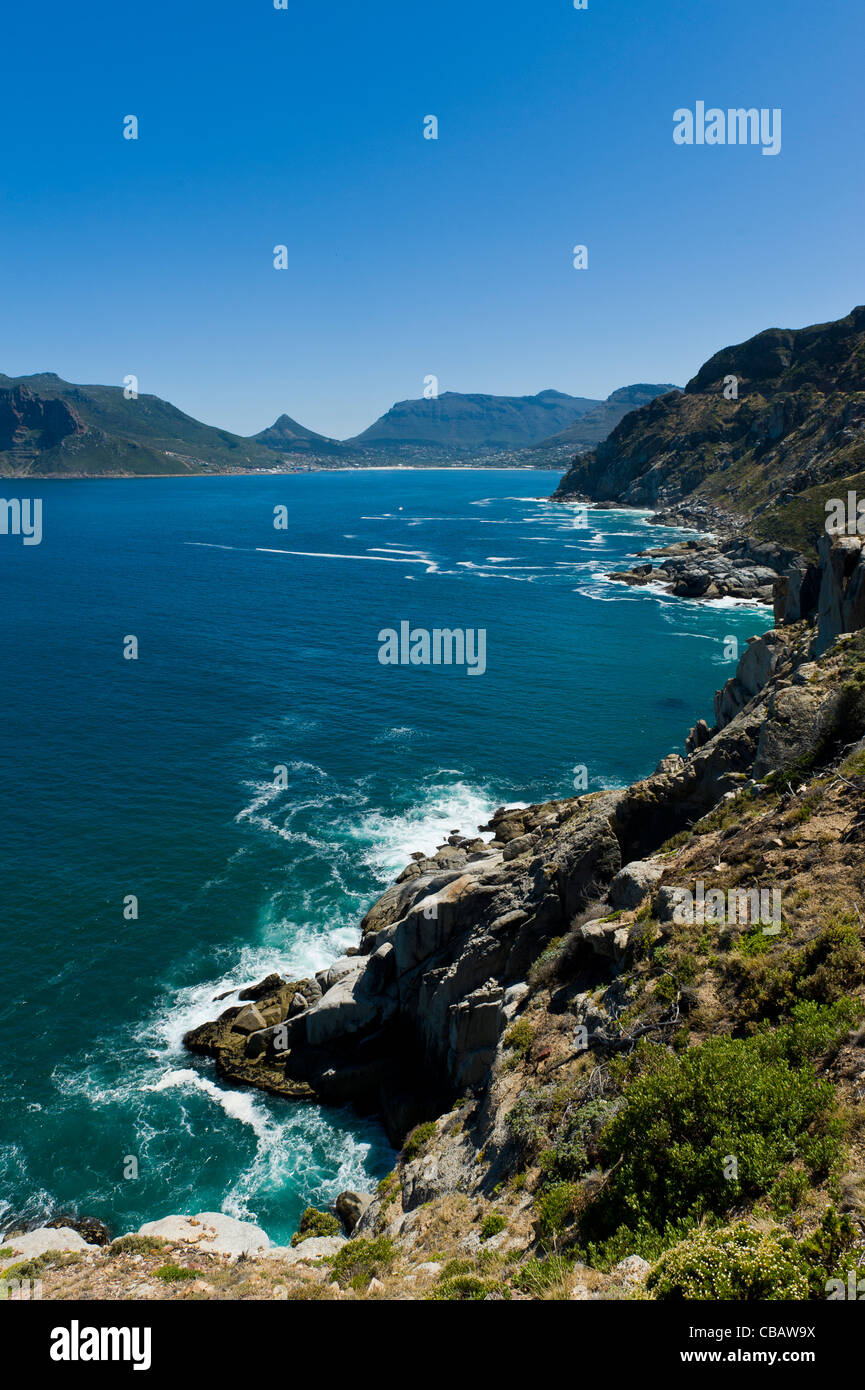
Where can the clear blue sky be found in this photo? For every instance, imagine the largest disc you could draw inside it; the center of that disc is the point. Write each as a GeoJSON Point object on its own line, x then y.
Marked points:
{"type": "Point", "coordinates": [410, 256]}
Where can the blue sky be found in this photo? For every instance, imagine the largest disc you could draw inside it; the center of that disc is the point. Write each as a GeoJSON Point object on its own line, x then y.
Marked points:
{"type": "Point", "coordinates": [410, 256]}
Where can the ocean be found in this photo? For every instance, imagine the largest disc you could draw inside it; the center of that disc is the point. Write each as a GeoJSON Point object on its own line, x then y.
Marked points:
{"type": "Point", "coordinates": [256, 776]}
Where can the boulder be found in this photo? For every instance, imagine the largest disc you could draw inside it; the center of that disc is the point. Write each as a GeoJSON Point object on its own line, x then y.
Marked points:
{"type": "Point", "coordinates": [40, 1241]}
{"type": "Point", "coordinates": [673, 762]}
{"type": "Point", "coordinates": [514, 848]}
{"type": "Point", "coordinates": [633, 882]}
{"type": "Point", "coordinates": [212, 1231]}
{"type": "Point", "coordinates": [249, 1020]}
{"type": "Point", "coordinates": [633, 1269]}
{"type": "Point", "coordinates": [599, 937]}
{"type": "Point", "coordinates": [350, 1207]}
{"type": "Point", "coordinates": [352, 1005]}
{"type": "Point", "coordinates": [271, 984]}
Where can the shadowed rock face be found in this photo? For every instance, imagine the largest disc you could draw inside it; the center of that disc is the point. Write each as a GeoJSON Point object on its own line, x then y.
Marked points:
{"type": "Point", "coordinates": [29, 424]}
{"type": "Point", "coordinates": [841, 603]}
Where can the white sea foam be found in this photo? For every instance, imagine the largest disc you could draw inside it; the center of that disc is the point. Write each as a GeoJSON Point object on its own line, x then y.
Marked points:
{"type": "Point", "coordinates": [444, 806]}
{"type": "Point", "coordinates": [431, 567]}
{"type": "Point", "coordinates": [239, 1105]}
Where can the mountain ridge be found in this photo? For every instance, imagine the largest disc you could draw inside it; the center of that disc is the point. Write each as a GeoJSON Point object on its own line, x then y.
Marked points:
{"type": "Point", "coordinates": [54, 428]}
{"type": "Point", "coordinates": [789, 430]}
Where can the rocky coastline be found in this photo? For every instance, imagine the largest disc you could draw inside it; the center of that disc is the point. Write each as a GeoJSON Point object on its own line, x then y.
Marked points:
{"type": "Point", "coordinates": [522, 1004]}
{"type": "Point", "coordinates": [477, 966]}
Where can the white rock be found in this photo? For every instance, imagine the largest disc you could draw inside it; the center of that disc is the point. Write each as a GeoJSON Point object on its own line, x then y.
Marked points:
{"type": "Point", "coordinates": [633, 882]}
{"type": "Point", "coordinates": [40, 1241]}
{"type": "Point", "coordinates": [633, 1269]}
{"type": "Point", "coordinates": [213, 1232]}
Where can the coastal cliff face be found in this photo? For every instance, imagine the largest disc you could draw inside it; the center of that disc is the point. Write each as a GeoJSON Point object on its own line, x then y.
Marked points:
{"type": "Point", "coordinates": [753, 449]}
{"type": "Point", "coordinates": [618, 1039]}
{"type": "Point", "coordinates": [620, 1044]}
{"type": "Point", "coordinates": [512, 996]}
{"type": "Point", "coordinates": [758, 436]}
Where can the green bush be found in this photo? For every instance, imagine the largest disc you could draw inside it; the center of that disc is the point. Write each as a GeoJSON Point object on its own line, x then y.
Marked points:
{"type": "Point", "coordinates": [173, 1274]}
{"type": "Point", "coordinates": [685, 1115]}
{"type": "Point", "coordinates": [574, 1151]}
{"type": "Point", "coordinates": [556, 1209]}
{"type": "Point", "coordinates": [737, 1262]}
{"type": "Point", "coordinates": [528, 1121]}
{"type": "Point", "coordinates": [734, 1263]}
{"type": "Point", "coordinates": [537, 1275]}
{"type": "Point", "coordinates": [419, 1136]}
{"type": "Point", "coordinates": [492, 1225]}
{"type": "Point", "coordinates": [823, 971]}
{"type": "Point", "coordinates": [135, 1245]}
{"type": "Point", "coordinates": [519, 1037]}
{"type": "Point", "coordinates": [316, 1223]}
{"type": "Point", "coordinates": [360, 1260]}
{"type": "Point", "coordinates": [468, 1287]}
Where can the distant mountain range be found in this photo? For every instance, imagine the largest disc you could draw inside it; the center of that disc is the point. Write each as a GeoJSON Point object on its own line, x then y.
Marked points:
{"type": "Point", "coordinates": [50, 427]}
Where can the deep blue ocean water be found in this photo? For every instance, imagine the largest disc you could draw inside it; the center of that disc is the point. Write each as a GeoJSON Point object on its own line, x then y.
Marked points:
{"type": "Point", "coordinates": [155, 777]}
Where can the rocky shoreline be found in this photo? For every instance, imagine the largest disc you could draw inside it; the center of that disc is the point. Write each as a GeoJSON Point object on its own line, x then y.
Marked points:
{"type": "Point", "coordinates": [477, 966]}
{"type": "Point", "coordinates": [726, 562]}
{"type": "Point", "coordinates": [412, 1017]}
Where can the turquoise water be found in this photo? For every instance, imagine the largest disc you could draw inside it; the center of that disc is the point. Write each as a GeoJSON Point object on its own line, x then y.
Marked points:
{"type": "Point", "coordinates": [155, 777]}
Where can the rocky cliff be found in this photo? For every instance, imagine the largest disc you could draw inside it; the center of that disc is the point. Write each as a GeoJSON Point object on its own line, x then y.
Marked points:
{"type": "Point", "coordinates": [511, 994]}
{"type": "Point", "coordinates": [763, 433]}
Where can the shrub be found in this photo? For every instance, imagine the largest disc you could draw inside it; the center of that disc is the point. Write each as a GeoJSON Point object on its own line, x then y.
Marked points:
{"type": "Point", "coordinates": [545, 967]}
{"type": "Point", "coordinates": [316, 1223]}
{"type": "Point", "coordinates": [492, 1225]}
{"type": "Point", "coordinates": [736, 1262]}
{"type": "Point", "coordinates": [823, 971]}
{"type": "Point", "coordinates": [575, 1148]}
{"type": "Point", "coordinates": [360, 1260]}
{"type": "Point", "coordinates": [173, 1274]}
{"type": "Point", "coordinates": [135, 1245]}
{"type": "Point", "coordinates": [468, 1287]}
{"type": "Point", "coordinates": [556, 1209]}
{"type": "Point", "coordinates": [520, 1037]}
{"type": "Point", "coordinates": [419, 1136]}
{"type": "Point", "coordinates": [684, 1115]}
{"type": "Point", "coordinates": [537, 1275]}
{"type": "Point", "coordinates": [528, 1120]}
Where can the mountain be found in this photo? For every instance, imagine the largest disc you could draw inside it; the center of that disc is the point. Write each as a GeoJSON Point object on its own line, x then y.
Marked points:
{"type": "Point", "coordinates": [460, 422]}
{"type": "Point", "coordinates": [792, 436]}
{"type": "Point", "coordinates": [597, 423]}
{"type": "Point", "coordinates": [287, 436]}
{"type": "Point", "coordinates": [50, 427]}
